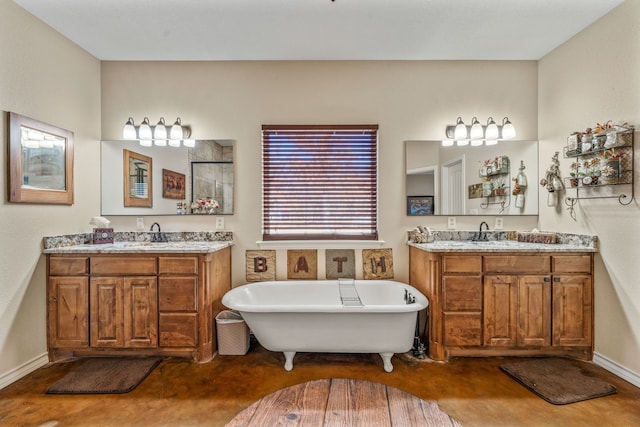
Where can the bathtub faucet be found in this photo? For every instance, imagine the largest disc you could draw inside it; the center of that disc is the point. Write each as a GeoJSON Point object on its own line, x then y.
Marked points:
{"type": "Point", "coordinates": [408, 297]}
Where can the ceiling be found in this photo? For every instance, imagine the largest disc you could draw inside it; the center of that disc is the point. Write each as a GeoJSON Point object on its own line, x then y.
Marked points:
{"type": "Point", "coordinates": [201, 30]}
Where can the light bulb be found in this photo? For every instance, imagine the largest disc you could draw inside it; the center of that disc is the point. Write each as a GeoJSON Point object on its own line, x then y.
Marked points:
{"type": "Point", "coordinates": [476, 130]}
{"type": "Point", "coordinates": [508, 131]}
{"type": "Point", "coordinates": [144, 132]}
{"type": "Point", "coordinates": [160, 142]}
{"type": "Point", "coordinates": [476, 142]}
{"type": "Point", "coordinates": [492, 131]}
{"type": "Point", "coordinates": [491, 142]}
{"type": "Point", "coordinates": [176, 130]}
{"type": "Point", "coordinates": [189, 143]}
{"type": "Point", "coordinates": [129, 131]}
{"type": "Point", "coordinates": [174, 143]}
{"type": "Point", "coordinates": [160, 131]}
{"type": "Point", "coordinates": [146, 142]}
{"type": "Point", "coordinates": [462, 142]}
{"type": "Point", "coordinates": [461, 129]}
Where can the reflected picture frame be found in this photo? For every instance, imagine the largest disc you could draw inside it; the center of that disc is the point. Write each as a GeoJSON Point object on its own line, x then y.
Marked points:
{"type": "Point", "coordinates": [40, 162]}
{"type": "Point", "coordinates": [420, 205]}
{"type": "Point", "coordinates": [138, 185]}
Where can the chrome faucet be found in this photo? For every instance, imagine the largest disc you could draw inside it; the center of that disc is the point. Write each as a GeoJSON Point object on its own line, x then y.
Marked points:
{"type": "Point", "coordinates": [482, 235]}
{"type": "Point", "coordinates": [157, 236]}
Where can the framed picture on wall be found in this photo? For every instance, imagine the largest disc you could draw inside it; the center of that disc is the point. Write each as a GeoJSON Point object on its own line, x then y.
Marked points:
{"type": "Point", "coordinates": [419, 205]}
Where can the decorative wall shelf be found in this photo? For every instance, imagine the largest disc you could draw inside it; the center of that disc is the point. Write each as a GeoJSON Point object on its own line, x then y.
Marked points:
{"type": "Point", "coordinates": [601, 172]}
{"type": "Point", "coordinates": [495, 172]}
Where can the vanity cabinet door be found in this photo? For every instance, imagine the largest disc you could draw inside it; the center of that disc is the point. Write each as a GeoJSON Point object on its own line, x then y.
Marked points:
{"type": "Point", "coordinates": [140, 311]}
{"type": "Point", "coordinates": [68, 311]}
{"type": "Point", "coordinates": [106, 312]}
{"type": "Point", "coordinates": [500, 295]}
{"type": "Point", "coordinates": [534, 311]}
{"type": "Point", "coordinates": [124, 312]}
{"type": "Point", "coordinates": [572, 310]}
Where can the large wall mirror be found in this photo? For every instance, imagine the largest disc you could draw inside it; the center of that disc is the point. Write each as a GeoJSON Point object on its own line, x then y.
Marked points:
{"type": "Point", "coordinates": [180, 177]}
{"type": "Point", "coordinates": [471, 180]}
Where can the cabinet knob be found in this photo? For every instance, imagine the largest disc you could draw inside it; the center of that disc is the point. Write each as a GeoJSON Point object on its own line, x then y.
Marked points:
{"type": "Point", "coordinates": [556, 279]}
{"type": "Point", "coordinates": [547, 279]}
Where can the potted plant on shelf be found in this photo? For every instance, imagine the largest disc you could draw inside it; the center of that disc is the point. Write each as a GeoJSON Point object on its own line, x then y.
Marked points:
{"type": "Point", "coordinates": [611, 165]}
{"type": "Point", "coordinates": [499, 187]}
{"type": "Point", "coordinates": [592, 171]}
{"type": "Point", "coordinates": [574, 171]}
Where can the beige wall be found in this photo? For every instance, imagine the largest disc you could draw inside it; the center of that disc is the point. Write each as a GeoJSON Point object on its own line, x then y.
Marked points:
{"type": "Point", "coordinates": [231, 100]}
{"type": "Point", "coordinates": [45, 77]}
{"type": "Point", "coordinates": [592, 78]}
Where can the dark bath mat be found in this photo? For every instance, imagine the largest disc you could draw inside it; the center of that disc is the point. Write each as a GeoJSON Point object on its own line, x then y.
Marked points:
{"type": "Point", "coordinates": [558, 381]}
{"type": "Point", "coordinates": [102, 375]}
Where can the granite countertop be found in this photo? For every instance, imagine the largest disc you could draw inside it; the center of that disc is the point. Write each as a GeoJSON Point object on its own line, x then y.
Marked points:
{"type": "Point", "coordinates": [139, 243]}
{"type": "Point", "coordinates": [504, 241]}
{"type": "Point", "coordinates": [141, 248]}
{"type": "Point", "coordinates": [499, 246]}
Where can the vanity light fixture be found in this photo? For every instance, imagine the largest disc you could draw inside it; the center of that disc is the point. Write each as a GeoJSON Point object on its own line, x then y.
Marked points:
{"type": "Point", "coordinates": [144, 131]}
{"type": "Point", "coordinates": [159, 135]}
{"type": "Point", "coordinates": [476, 131]}
{"type": "Point", "coordinates": [476, 134]}
{"type": "Point", "coordinates": [508, 131]}
{"type": "Point", "coordinates": [492, 132]}
{"type": "Point", "coordinates": [460, 131]}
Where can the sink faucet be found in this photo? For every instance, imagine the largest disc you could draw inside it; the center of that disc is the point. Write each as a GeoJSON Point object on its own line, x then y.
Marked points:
{"type": "Point", "coordinates": [482, 235]}
{"type": "Point", "coordinates": [157, 236]}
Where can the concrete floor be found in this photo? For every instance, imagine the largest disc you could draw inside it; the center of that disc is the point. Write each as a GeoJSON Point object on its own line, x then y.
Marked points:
{"type": "Point", "coordinates": [183, 393]}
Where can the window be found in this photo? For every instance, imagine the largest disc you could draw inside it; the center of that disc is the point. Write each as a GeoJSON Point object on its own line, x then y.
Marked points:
{"type": "Point", "coordinates": [319, 182]}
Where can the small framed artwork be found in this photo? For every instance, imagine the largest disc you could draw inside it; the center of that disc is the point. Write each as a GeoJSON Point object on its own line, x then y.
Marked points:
{"type": "Point", "coordinates": [173, 185]}
{"type": "Point", "coordinates": [475, 191]}
{"type": "Point", "coordinates": [419, 205]}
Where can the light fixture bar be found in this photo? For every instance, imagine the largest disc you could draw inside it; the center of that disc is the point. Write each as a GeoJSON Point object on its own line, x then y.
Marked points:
{"type": "Point", "coordinates": [159, 134]}
{"type": "Point", "coordinates": [475, 133]}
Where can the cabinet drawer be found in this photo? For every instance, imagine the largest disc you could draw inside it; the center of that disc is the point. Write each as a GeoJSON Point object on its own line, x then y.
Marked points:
{"type": "Point", "coordinates": [68, 266]}
{"type": "Point", "coordinates": [178, 293]}
{"type": "Point", "coordinates": [571, 263]}
{"type": "Point", "coordinates": [462, 293]}
{"type": "Point", "coordinates": [123, 265]}
{"type": "Point", "coordinates": [461, 264]}
{"type": "Point", "coordinates": [178, 329]}
{"type": "Point", "coordinates": [178, 265]}
{"type": "Point", "coordinates": [464, 329]}
{"type": "Point", "coordinates": [517, 264]}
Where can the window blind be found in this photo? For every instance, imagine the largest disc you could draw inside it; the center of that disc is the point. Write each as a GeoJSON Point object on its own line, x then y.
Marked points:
{"type": "Point", "coordinates": [319, 182]}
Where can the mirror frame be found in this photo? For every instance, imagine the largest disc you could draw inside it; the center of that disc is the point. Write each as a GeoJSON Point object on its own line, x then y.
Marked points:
{"type": "Point", "coordinates": [129, 200]}
{"type": "Point", "coordinates": [17, 192]}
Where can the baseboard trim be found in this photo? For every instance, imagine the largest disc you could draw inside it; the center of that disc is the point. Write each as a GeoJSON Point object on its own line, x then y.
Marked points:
{"type": "Point", "coordinates": [23, 370]}
{"type": "Point", "coordinates": [617, 369]}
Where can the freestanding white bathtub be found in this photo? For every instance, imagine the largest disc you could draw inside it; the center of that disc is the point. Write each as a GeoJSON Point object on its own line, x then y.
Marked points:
{"type": "Point", "coordinates": [345, 316]}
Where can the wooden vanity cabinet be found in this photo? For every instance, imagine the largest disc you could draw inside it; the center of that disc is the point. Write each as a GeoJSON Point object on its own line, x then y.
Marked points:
{"type": "Point", "coordinates": [161, 304]}
{"type": "Point", "coordinates": [506, 304]}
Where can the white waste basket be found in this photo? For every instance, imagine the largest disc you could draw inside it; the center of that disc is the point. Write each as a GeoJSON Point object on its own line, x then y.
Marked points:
{"type": "Point", "coordinates": [232, 332]}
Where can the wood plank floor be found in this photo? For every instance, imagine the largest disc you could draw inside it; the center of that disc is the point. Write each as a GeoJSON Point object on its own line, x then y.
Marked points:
{"type": "Point", "coordinates": [182, 393]}
{"type": "Point", "coordinates": [342, 402]}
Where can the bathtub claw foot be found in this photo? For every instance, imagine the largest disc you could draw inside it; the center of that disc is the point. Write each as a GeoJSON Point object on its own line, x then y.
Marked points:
{"type": "Point", "coordinates": [386, 360]}
{"type": "Point", "coordinates": [288, 362]}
